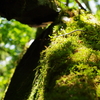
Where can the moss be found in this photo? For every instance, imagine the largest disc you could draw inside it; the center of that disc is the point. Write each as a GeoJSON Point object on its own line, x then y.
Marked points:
{"type": "Point", "coordinates": [70, 66]}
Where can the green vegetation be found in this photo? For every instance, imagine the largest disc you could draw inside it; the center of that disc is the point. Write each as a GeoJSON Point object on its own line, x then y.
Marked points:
{"type": "Point", "coordinates": [70, 67]}
{"type": "Point", "coordinates": [13, 39]}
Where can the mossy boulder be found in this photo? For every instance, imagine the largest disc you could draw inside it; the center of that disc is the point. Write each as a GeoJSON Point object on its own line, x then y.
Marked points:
{"type": "Point", "coordinates": [70, 67]}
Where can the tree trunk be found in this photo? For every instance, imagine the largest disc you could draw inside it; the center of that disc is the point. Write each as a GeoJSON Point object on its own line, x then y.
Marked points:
{"type": "Point", "coordinates": [21, 82]}
{"type": "Point", "coordinates": [28, 12]}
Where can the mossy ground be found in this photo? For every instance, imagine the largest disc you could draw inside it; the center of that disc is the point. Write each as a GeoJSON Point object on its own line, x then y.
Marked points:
{"type": "Point", "coordinates": [70, 67]}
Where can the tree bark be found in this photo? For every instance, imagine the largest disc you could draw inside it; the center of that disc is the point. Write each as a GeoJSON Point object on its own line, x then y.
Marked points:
{"type": "Point", "coordinates": [28, 12]}
{"type": "Point", "coordinates": [21, 82]}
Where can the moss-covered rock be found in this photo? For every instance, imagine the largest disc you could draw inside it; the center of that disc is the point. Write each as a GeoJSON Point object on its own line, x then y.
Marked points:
{"type": "Point", "coordinates": [70, 67]}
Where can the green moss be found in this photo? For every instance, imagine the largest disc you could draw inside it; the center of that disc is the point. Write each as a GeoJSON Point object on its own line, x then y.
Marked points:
{"type": "Point", "coordinates": [70, 66]}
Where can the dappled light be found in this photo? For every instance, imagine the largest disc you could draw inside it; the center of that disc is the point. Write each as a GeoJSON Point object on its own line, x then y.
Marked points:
{"type": "Point", "coordinates": [13, 37]}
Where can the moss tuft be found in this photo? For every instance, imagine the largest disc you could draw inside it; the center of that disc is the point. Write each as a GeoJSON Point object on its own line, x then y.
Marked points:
{"type": "Point", "coordinates": [70, 66]}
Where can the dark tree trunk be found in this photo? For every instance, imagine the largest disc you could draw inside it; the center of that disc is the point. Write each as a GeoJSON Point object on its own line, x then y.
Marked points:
{"type": "Point", "coordinates": [67, 2]}
{"type": "Point", "coordinates": [28, 12]}
{"type": "Point", "coordinates": [21, 82]}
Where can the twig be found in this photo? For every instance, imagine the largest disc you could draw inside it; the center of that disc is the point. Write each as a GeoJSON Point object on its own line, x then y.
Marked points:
{"type": "Point", "coordinates": [80, 5]}
{"type": "Point", "coordinates": [70, 32]}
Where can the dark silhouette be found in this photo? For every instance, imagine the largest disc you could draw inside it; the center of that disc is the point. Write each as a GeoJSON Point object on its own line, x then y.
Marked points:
{"type": "Point", "coordinates": [27, 12]}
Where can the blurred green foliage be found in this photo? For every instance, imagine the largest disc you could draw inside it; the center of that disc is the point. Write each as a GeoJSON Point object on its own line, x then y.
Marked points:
{"type": "Point", "coordinates": [13, 39]}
